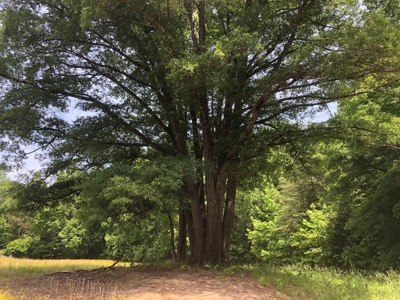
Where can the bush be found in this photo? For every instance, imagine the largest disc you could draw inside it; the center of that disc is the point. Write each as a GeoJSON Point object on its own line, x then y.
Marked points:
{"type": "Point", "coordinates": [20, 247]}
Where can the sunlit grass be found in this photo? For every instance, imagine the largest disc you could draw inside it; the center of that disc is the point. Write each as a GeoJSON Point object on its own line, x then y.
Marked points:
{"type": "Point", "coordinates": [329, 284]}
{"type": "Point", "coordinates": [18, 268]}
{"type": "Point", "coordinates": [6, 296]}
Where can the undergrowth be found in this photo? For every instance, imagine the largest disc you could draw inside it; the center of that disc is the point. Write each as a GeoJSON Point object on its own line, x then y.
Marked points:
{"type": "Point", "coordinates": [301, 282]}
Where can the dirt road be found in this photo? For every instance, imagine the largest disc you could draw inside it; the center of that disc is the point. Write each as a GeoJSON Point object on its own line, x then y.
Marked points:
{"type": "Point", "coordinates": [140, 283]}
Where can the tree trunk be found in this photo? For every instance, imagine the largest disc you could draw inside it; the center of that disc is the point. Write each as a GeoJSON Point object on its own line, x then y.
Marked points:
{"type": "Point", "coordinates": [181, 253]}
{"type": "Point", "coordinates": [214, 224]}
{"type": "Point", "coordinates": [229, 214]}
{"type": "Point", "coordinates": [172, 237]}
{"type": "Point", "coordinates": [205, 231]}
{"type": "Point", "coordinates": [190, 231]}
{"type": "Point", "coordinates": [195, 222]}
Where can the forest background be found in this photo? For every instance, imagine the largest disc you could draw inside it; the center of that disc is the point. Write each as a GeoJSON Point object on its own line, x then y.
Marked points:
{"type": "Point", "coordinates": [195, 141]}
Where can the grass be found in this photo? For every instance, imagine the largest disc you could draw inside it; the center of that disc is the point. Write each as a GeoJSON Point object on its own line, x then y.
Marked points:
{"type": "Point", "coordinates": [6, 296]}
{"type": "Point", "coordinates": [17, 268]}
{"type": "Point", "coordinates": [299, 282]}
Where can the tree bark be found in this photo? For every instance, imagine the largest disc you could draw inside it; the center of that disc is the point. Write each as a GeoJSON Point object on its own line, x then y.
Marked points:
{"type": "Point", "coordinates": [181, 252]}
{"type": "Point", "coordinates": [172, 236]}
{"type": "Point", "coordinates": [190, 231]}
{"type": "Point", "coordinates": [195, 222]}
{"type": "Point", "coordinates": [214, 225]}
{"type": "Point", "coordinates": [229, 214]}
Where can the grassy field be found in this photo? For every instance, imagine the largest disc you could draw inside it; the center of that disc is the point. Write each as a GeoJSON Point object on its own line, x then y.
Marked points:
{"type": "Point", "coordinates": [16, 268]}
{"type": "Point", "coordinates": [329, 284]}
{"type": "Point", "coordinates": [291, 282]}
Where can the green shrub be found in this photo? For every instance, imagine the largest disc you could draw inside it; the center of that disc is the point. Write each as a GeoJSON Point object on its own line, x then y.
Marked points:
{"type": "Point", "coordinates": [20, 247]}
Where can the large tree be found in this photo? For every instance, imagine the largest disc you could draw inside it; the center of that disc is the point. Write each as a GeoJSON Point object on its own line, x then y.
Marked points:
{"type": "Point", "coordinates": [216, 83]}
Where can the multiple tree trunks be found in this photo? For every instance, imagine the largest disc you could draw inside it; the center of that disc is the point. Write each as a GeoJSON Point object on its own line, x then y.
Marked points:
{"type": "Point", "coordinates": [209, 229]}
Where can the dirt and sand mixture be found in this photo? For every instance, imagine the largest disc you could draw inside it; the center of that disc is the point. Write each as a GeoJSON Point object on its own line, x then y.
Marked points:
{"type": "Point", "coordinates": [139, 283]}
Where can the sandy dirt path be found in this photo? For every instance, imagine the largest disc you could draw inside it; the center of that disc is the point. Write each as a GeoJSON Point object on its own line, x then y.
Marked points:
{"type": "Point", "coordinates": [142, 284]}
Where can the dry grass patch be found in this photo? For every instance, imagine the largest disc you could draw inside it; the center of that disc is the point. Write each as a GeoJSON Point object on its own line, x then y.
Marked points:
{"type": "Point", "coordinates": [6, 296]}
{"type": "Point", "coordinates": [17, 268]}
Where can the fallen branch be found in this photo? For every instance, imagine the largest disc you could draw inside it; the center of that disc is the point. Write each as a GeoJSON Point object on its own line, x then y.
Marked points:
{"type": "Point", "coordinates": [83, 270]}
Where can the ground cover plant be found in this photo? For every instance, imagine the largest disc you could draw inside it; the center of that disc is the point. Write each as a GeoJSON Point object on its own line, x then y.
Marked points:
{"type": "Point", "coordinates": [302, 282]}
